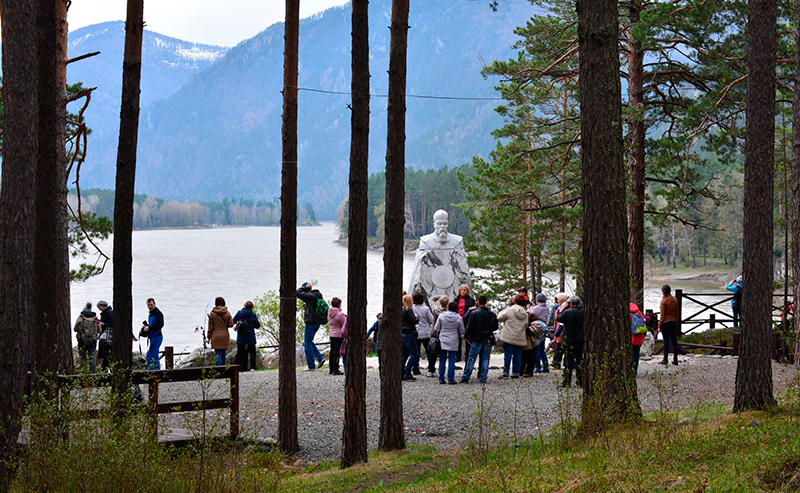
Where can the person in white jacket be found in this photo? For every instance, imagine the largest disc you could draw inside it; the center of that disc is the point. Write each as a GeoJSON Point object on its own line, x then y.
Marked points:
{"type": "Point", "coordinates": [424, 327]}
{"type": "Point", "coordinates": [449, 329]}
{"type": "Point", "coordinates": [515, 321]}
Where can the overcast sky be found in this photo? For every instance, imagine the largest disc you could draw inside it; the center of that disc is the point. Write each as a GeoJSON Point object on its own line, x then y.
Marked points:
{"type": "Point", "coordinates": [224, 23]}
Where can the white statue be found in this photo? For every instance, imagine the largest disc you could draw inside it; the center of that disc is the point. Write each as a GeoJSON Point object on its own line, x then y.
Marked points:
{"type": "Point", "coordinates": [440, 265]}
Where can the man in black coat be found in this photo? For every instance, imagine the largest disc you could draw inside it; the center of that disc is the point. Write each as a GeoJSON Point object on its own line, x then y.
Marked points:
{"type": "Point", "coordinates": [311, 298]}
{"type": "Point", "coordinates": [481, 325]}
{"type": "Point", "coordinates": [106, 333]}
{"type": "Point", "coordinates": [572, 319]}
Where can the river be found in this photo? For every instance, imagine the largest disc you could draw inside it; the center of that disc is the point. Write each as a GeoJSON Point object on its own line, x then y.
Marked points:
{"type": "Point", "coordinates": [185, 269]}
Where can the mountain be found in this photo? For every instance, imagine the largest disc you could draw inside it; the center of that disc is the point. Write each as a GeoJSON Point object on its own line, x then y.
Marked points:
{"type": "Point", "coordinates": [220, 134]}
{"type": "Point", "coordinates": [167, 65]}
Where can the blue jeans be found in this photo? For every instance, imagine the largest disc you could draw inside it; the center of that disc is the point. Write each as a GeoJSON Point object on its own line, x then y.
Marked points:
{"type": "Point", "coordinates": [735, 308]}
{"type": "Point", "coordinates": [512, 355]}
{"type": "Point", "coordinates": [220, 356]}
{"type": "Point", "coordinates": [87, 353]}
{"type": "Point", "coordinates": [636, 350]}
{"type": "Point", "coordinates": [152, 352]}
{"type": "Point", "coordinates": [540, 360]}
{"type": "Point", "coordinates": [410, 354]}
{"type": "Point", "coordinates": [478, 350]}
{"type": "Point", "coordinates": [448, 357]}
{"type": "Point", "coordinates": [312, 353]}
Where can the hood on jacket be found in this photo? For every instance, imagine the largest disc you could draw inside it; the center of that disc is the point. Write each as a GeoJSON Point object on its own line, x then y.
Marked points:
{"type": "Point", "coordinates": [519, 313]}
{"type": "Point", "coordinates": [634, 308]}
{"type": "Point", "coordinates": [88, 314]}
{"type": "Point", "coordinates": [220, 310]}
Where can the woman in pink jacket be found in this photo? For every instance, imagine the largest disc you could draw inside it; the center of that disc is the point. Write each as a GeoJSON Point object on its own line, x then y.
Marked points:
{"type": "Point", "coordinates": [338, 331]}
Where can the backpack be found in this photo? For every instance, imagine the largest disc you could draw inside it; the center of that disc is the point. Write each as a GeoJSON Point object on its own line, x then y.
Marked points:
{"type": "Point", "coordinates": [88, 332]}
{"type": "Point", "coordinates": [244, 328]}
{"type": "Point", "coordinates": [321, 311]}
{"type": "Point", "coordinates": [637, 324]}
{"type": "Point", "coordinates": [737, 296]}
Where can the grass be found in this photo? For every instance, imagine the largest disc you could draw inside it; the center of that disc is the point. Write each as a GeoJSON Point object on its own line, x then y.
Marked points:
{"type": "Point", "coordinates": [757, 451]}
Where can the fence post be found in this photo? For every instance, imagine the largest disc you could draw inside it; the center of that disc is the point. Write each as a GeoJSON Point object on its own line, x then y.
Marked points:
{"type": "Point", "coordinates": [153, 395]}
{"type": "Point", "coordinates": [235, 402]}
{"type": "Point", "coordinates": [712, 321]}
{"type": "Point", "coordinates": [679, 296]}
{"type": "Point", "coordinates": [169, 357]}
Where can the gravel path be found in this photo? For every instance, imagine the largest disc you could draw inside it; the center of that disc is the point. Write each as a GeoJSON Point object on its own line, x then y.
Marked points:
{"type": "Point", "coordinates": [445, 415]}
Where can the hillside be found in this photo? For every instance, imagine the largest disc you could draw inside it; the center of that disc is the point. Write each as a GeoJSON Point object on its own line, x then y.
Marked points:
{"type": "Point", "coordinates": [219, 135]}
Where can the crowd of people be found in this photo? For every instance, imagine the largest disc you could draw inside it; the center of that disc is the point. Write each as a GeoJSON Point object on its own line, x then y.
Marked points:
{"type": "Point", "coordinates": [95, 335]}
{"type": "Point", "coordinates": [445, 330]}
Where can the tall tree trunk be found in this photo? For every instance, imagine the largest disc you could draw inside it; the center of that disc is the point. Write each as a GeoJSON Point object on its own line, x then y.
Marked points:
{"type": "Point", "coordinates": [636, 165]}
{"type": "Point", "coordinates": [795, 211]}
{"type": "Point", "coordinates": [354, 438]}
{"type": "Point", "coordinates": [391, 435]}
{"type": "Point", "coordinates": [754, 370]}
{"type": "Point", "coordinates": [126, 178]}
{"type": "Point", "coordinates": [287, 376]}
{"type": "Point", "coordinates": [51, 332]}
{"type": "Point", "coordinates": [17, 213]}
{"type": "Point", "coordinates": [609, 387]}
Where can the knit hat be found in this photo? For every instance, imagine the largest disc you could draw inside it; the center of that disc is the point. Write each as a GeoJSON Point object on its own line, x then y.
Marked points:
{"type": "Point", "coordinates": [102, 303]}
{"type": "Point", "coordinates": [541, 298]}
{"type": "Point", "coordinates": [739, 279]}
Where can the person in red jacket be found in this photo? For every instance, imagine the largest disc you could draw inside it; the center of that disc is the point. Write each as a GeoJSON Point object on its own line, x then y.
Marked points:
{"type": "Point", "coordinates": [636, 339]}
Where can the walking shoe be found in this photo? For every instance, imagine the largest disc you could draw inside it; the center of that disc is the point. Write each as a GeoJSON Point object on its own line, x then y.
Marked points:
{"type": "Point", "coordinates": [463, 381]}
{"type": "Point", "coordinates": [321, 363]}
{"type": "Point", "coordinates": [528, 375]}
{"type": "Point", "coordinates": [442, 381]}
{"type": "Point", "coordinates": [675, 362]}
{"type": "Point", "coordinates": [537, 370]}
{"type": "Point", "coordinates": [431, 375]}
{"type": "Point", "coordinates": [514, 376]}
{"type": "Point", "coordinates": [409, 377]}
{"type": "Point", "coordinates": [545, 370]}
{"type": "Point", "coordinates": [482, 381]}
{"type": "Point", "coordinates": [309, 369]}
{"type": "Point", "coordinates": [503, 376]}
{"type": "Point", "coordinates": [663, 362]}
{"type": "Point", "coordinates": [451, 382]}
{"type": "Point", "coordinates": [337, 373]}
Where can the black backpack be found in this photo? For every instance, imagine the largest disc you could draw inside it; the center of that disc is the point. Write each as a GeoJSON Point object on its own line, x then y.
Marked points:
{"type": "Point", "coordinates": [737, 296]}
{"type": "Point", "coordinates": [244, 328]}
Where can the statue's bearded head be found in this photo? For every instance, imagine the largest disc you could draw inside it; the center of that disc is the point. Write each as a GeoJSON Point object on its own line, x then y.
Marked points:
{"type": "Point", "coordinates": [440, 223]}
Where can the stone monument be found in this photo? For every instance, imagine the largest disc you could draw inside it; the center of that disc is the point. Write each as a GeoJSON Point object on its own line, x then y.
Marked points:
{"type": "Point", "coordinates": [440, 266]}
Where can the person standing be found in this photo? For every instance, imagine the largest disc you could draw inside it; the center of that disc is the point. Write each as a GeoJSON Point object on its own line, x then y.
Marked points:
{"type": "Point", "coordinates": [313, 320]}
{"type": "Point", "coordinates": [540, 312]}
{"type": "Point", "coordinates": [338, 331]}
{"type": "Point", "coordinates": [219, 320]}
{"type": "Point", "coordinates": [515, 322]}
{"type": "Point", "coordinates": [481, 324]}
{"type": "Point", "coordinates": [246, 324]}
{"type": "Point", "coordinates": [155, 323]}
{"type": "Point", "coordinates": [735, 287]}
{"type": "Point", "coordinates": [465, 303]}
{"type": "Point", "coordinates": [636, 338]}
{"type": "Point", "coordinates": [410, 347]}
{"type": "Point", "coordinates": [87, 329]}
{"type": "Point", "coordinates": [424, 326]}
{"type": "Point", "coordinates": [449, 328]}
{"type": "Point", "coordinates": [106, 340]}
{"type": "Point", "coordinates": [572, 318]}
{"type": "Point", "coordinates": [668, 324]}
{"type": "Point", "coordinates": [558, 330]}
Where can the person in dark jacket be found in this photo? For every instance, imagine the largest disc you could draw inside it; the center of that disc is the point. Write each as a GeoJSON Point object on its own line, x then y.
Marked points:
{"type": "Point", "coordinates": [481, 324]}
{"type": "Point", "coordinates": [107, 335]}
{"type": "Point", "coordinates": [86, 351]}
{"type": "Point", "coordinates": [572, 319]}
{"type": "Point", "coordinates": [465, 303]}
{"type": "Point", "coordinates": [410, 346]}
{"type": "Point", "coordinates": [155, 322]}
{"type": "Point", "coordinates": [310, 297]}
{"type": "Point", "coordinates": [246, 324]}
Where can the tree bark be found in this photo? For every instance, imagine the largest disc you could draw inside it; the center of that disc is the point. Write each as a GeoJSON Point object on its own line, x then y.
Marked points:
{"type": "Point", "coordinates": [609, 387]}
{"type": "Point", "coordinates": [17, 213]}
{"type": "Point", "coordinates": [795, 210]}
{"type": "Point", "coordinates": [391, 436]}
{"type": "Point", "coordinates": [354, 437]}
{"type": "Point", "coordinates": [125, 182]}
{"type": "Point", "coordinates": [51, 332]}
{"type": "Point", "coordinates": [754, 369]}
{"type": "Point", "coordinates": [636, 156]}
{"type": "Point", "coordinates": [287, 376]}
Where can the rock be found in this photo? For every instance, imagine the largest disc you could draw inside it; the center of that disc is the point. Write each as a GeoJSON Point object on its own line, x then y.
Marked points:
{"type": "Point", "coordinates": [198, 357]}
{"type": "Point", "coordinates": [138, 361]}
{"type": "Point", "coordinates": [685, 421]}
{"type": "Point", "coordinates": [646, 351]}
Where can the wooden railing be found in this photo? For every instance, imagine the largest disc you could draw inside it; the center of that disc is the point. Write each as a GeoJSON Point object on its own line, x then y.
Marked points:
{"type": "Point", "coordinates": [168, 354]}
{"type": "Point", "coordinates": [156, 377]}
